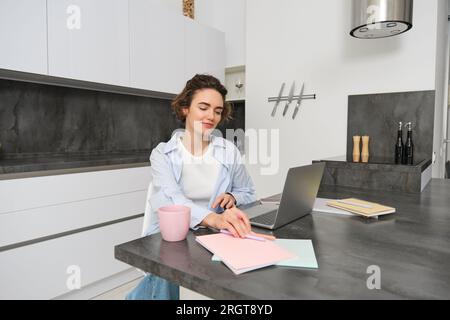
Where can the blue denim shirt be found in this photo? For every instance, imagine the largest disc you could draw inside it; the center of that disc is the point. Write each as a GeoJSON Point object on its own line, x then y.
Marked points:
{"type": "Point", "coordinates": [166, 165]}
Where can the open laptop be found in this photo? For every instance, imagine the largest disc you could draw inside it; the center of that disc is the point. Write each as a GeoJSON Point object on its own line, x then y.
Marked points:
{"type": "Point", "coordinates": [297, 200]}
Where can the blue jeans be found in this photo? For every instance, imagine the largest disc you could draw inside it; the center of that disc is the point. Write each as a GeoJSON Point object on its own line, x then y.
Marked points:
{"type": "Point", "coordinates": [154, 288]}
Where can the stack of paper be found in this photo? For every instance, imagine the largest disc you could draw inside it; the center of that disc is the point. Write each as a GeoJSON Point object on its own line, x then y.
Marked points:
{"type": "Point", "coordinates": [242, 255]}
{"type": "Point", "coordinates": [364, 208]}
{"type": "Point", "coordinates": [303, 248]}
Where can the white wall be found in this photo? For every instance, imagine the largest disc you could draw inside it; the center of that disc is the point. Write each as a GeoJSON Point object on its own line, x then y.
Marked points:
{"type": "Point", "coordinates": [440, 112]}
{"type": "Point", "coordinates": [309, 41]}
{"type": "Point", "coordinates": [227, 16]}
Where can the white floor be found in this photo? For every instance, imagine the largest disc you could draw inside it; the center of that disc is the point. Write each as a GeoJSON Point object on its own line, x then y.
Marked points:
{"type": "Point", "coordinates": [119, 293]}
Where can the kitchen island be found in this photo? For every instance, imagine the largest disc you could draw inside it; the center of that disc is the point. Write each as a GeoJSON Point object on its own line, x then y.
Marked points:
{"type": "Point", "coordinates": [409, 248]}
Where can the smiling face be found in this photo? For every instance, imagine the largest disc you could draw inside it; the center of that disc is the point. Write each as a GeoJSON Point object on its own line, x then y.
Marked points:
{"type": "Point", "coordinates": [205, 112]}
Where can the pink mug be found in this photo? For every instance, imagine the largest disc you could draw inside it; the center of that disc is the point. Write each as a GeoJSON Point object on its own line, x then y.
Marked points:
{"type": "Point", "coordinates": [174, 222]}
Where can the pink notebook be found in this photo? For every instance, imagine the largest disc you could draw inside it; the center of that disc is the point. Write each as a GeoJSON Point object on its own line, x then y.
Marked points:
{"type": "Point", "coordinates": [242, 255]}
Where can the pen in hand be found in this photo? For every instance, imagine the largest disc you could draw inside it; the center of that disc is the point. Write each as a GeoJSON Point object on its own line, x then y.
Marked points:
{"type": "Point", "coordinates": [266, 236]}
{"type": "Point", "coordinates": [247, 236]}
{"type": "Point", "coordinates": [253, 235]}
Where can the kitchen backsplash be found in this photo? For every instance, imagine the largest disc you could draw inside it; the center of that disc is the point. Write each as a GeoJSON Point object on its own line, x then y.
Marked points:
{"type": "Point", "coordinates": [40, 118]}
{"type": "Point", "coordinates": [377, 115]}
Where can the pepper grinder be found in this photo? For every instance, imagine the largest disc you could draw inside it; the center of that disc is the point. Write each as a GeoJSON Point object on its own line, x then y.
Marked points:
{"type": "Point", "coordinates": [356, 152]}
{"type": "Point", "coordinates": [365, 149]}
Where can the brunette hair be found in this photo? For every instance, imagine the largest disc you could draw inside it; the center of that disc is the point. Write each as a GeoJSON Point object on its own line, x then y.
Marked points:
{"type": "Point", "coordinates": [199, 82]}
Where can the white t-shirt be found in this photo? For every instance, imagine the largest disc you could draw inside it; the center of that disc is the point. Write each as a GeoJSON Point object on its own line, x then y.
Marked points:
{"type": "Point", "coordinates": [199, 175]}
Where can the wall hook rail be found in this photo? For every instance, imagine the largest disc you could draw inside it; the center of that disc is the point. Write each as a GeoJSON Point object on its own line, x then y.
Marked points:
{"type": "Point", "coordinates": [289, 99]}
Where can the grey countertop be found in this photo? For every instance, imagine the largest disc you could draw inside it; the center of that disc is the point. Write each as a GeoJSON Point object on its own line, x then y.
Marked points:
{"type": "Point", "coordinates": [43, 162]}
{"type": "Point", "coordinates": [378, 174]}
{"type": "Point", "coordinates": [411, 248]}
{"type": "Point", "coordinates": [378, 163]}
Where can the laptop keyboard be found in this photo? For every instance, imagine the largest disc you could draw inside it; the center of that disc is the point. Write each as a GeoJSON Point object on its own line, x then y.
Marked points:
{"type": "Point", "coordinates": [266, 218]}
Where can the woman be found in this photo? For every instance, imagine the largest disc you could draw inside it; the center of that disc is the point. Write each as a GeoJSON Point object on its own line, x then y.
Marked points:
{"type": "Point", "coordinates": [199, 170]}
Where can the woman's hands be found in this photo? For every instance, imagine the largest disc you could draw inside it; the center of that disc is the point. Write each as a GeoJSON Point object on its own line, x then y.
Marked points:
{"type": "Point", "coordinates": [232, 219]}
{"type": "Point", "coordinates": [225, 200]}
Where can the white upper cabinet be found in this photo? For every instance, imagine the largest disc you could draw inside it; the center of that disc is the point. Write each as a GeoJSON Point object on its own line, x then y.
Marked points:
{"type": "Point", "coordinates": [204, 50]}
{"type": "Point", "coordinates": [228, 16]}
{"type": "Point", "coordinates": [130, 43]}
{"type": "Point", "coordinates": [89, 40]}
{"type": "Point", "coordinates": [156, 47]}
{"type": "Point", "coordinates": [23, 35]}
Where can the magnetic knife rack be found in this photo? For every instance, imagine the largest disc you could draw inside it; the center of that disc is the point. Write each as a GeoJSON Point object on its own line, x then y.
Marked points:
{"type": "Point", "coordinates": [286, 98]}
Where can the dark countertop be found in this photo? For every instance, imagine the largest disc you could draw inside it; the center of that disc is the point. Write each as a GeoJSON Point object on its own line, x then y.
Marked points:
{"type": "Point", "coordinates": [39, 162]}
{"type": "Point", "coordinates": [411, 248]}
{"type": "Point", "coordinates": [378, 163]}
{"type": "Point", "coordinates": [378, 174]}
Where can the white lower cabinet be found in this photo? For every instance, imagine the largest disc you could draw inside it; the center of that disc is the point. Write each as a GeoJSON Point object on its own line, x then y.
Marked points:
{"type": "Point", "coordinates": [56, 228]}
{"type": "Point", "coordinates": [52, 268]}
{"type": "Point", "coordinates": [29, 193]}
{"type": "Point", "coordinates": [40, 222]}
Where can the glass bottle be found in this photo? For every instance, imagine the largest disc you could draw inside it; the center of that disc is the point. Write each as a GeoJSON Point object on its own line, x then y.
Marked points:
{"type": "Point", "coordinates": [409, 146]}
{"type": "Point", "coordinates": [399, 146]}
